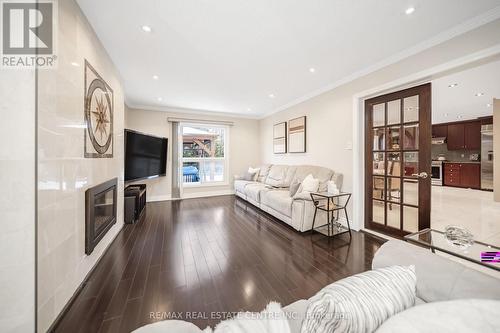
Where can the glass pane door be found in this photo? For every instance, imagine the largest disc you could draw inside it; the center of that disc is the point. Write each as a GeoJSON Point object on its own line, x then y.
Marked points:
{"type": "Point", "coordinates": [398, 161]}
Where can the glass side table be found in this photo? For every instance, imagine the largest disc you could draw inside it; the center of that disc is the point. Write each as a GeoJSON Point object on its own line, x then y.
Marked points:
{"type": "Point", "coordinates": [480, 253]}
{"type": "Point", "coordinates": [332, 204]}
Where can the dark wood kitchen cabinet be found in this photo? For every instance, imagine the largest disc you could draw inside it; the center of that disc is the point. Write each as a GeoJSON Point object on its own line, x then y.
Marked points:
{"type": "Point", "coordinates": [439, 131]}
{"type": "Point", "coordinates": [462, 175]}
{"type": "Point", "coordinates": [455, 138]}
{"type": "Point", "coordinates": [472, 135]}
{"type": "Point", "coordinates": [464, 135]}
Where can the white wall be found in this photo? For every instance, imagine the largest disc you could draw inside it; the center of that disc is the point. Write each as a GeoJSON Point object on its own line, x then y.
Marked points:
{"type": "Point", "coordinates": [244, 148]}
{"type": "Point", "coordinates": [330, 118]}
{"type": "Point", "coordinates": [17, 204]}
{"type": "Point", "coordinates": [64, 174]}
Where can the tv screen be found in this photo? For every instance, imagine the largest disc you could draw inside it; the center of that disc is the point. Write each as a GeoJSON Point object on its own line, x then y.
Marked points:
{"type": "Point", "coordinates": [145, 156]}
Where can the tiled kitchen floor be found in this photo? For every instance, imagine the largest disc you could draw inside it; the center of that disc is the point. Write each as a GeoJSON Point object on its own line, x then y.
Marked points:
{"type": "Point", "coordinates": [472, 209]}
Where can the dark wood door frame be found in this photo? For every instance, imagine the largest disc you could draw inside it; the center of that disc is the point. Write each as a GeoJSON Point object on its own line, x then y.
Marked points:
{"type": "Point", "coordinates": [424, 152]}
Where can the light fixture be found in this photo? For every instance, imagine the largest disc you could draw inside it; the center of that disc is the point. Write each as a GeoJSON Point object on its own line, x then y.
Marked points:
{"type": "Point", "coordinates": [479, 94]}
{"type": "Point", "coordinates": [75, 64]}
{"type": "Point", "coordinates": [410, 10]}
{"type": "Point", "coordinates": [459, 117]}
{"type": "Point", "coordinates": [453, 85]}
{"type": "Point", "coordinates": [249, 109]}
{"type": "Point", "coordinates": [146, 28]}
{"type": "Point", "coordinates": [160, 99]}
{"type": "Point", "coordinates": [312, 70]}
{"type": "Point", "coordinates": [271, 95]}
{"type": "Point", "coordinates": [155, 77]}
{"type": "Point", "coordinates": [488, 105]}
{"type": "Point", "coordinates": [446, 114]}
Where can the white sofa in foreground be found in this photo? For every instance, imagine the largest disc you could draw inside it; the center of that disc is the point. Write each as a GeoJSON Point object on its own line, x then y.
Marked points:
{"type": "Point", "coordinates": [451, 297]}
{"type": "Point", "coordinates": [271, 192]}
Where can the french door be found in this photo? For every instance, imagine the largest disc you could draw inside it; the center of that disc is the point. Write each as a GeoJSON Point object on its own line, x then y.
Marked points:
{"type": "Point", "coordinates": [398, 161]}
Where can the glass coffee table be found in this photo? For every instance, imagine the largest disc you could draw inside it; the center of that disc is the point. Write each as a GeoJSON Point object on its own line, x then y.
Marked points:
{"type": "Point", "coordinates": [480, 253]}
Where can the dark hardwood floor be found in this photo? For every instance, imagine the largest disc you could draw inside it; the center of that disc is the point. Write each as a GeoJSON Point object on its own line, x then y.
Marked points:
{"type": "Point", "coordinates": [197, 259]}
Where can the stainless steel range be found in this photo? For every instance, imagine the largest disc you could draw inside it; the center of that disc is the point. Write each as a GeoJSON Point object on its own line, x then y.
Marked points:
{"type": "Point", "coordinates": [487, 157]}
{"type": "Point", "coordinates": [437, 173]}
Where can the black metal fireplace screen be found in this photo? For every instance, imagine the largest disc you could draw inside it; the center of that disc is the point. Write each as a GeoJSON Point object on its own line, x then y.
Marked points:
{"type": "Point", "coordinates": [100, 212]}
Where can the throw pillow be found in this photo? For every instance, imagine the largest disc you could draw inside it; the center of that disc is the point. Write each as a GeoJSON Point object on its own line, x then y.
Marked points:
{"type": "Point", "coordinates": [255, 171]}
{"type": "Point", "coordinates": [294, 187]}
{"type": "Point", "coordinates": [249, 176]}
{"type": "Point", "coordinates": [362, 302]}
{"type": "Point", "coordinates": [310, 184]}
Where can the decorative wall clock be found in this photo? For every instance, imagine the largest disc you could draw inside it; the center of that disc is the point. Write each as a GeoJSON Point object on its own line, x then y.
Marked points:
{"type": "Point", "coordinates": [98, 106]}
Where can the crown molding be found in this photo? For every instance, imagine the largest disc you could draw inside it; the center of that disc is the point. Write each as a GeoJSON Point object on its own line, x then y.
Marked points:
{"type": "Point", "coordinates": [180, 110]}
{"type": "Point", "coordinates": [444, 36]}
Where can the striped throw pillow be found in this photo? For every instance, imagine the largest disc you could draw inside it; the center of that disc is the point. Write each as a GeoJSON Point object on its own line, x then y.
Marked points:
{"type": "Point", "coordinates": [362, 302]}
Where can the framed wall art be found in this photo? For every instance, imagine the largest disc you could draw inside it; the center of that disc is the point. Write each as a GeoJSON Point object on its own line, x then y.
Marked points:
{"type": "Point", "coordinates": [279, 138]}
{"type": "Point", "coordinates": [297, 135]}
{"type": "Point", "coordinates": [98, 112]}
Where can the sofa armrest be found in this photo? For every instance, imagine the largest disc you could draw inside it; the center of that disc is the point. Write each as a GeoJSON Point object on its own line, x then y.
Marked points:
{"type": "Point", "coordinates": [438, 278]}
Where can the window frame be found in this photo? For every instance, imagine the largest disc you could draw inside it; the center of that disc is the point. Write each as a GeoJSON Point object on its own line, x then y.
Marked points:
{"type": "Point", "coordinates": [202, 160]}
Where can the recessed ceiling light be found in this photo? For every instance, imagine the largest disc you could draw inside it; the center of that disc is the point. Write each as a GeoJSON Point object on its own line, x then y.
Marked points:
{"type": "Point", "coordinates": [488, 105]}
{"type": "Point", "coordinates": [146, 28]}
{"type": "Point", "coordinates": [312, 70]}
{"type": "Point", "coordinates": [159, 99]}
{"type": "Point", "coordinates": [249, 109]}
{"type": "Point", "coordinates": [155, 77]}
{"type": "Point", "coordinates": [75, 64]}
{"type": "Point", "coordinates": [410, 10]}
{"type": "Point", "coordinates": [479, 94]}
{"type": "Point", "coordinates": [271, 96]}
{"type": "Point", "coordinates": [453, 85]}
{"type": "Point", "coordinates": [446, 114]}
{"type": "Point", "coordinates": [459, 117]}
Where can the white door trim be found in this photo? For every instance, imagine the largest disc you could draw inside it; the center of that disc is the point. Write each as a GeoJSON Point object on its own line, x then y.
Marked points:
{"type": "Point", "coordinates": [396, 85]}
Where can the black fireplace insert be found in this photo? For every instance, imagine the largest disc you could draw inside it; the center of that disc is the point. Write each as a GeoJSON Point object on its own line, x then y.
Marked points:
{"type": "Point", "coordinates": [100, 212]}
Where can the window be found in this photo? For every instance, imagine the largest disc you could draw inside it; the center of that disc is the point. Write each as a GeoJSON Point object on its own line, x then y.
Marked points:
{"type": "Point", "coordinates": [204, 154]}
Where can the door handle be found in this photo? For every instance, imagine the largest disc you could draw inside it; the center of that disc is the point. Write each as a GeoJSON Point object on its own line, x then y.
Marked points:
{"type": "Point", "coordinates": [422, 175]}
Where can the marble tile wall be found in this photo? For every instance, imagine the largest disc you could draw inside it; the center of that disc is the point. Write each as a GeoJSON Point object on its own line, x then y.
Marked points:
{"type": "Point", "coordinates": [64, 174]}
{"type": "Point", "coordinates": [17, 202]}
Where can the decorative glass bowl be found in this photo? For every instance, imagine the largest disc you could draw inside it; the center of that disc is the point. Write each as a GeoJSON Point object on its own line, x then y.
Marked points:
{"type": "Point", "coordinates": [458, 236]}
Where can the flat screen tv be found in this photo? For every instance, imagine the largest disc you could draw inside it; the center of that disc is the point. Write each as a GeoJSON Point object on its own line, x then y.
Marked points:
{"type": "Point", "coordinates": [145, 156]}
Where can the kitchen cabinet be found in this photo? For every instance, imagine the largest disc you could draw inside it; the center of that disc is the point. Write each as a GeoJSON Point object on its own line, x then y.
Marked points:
{"type": "Point", "coordinates": [472, 135]}
{"type": "Point", "coordinates": [466, 175]}
{"type": "Point", "coordinates": [464, 135]}
{"type": "Point", "coordinates": [439, 131]}
{"type": "Point", "coordinates": [455, 138]}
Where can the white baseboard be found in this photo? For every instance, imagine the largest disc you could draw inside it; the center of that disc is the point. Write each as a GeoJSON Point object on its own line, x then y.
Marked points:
{"type": "Point", "coordinates": [158, 198]}
{"type": "Point", "coordinates": [206, 194]}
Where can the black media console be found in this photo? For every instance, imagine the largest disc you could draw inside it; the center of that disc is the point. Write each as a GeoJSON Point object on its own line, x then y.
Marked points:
{"type": "Point", "coordinates": [135, 202]}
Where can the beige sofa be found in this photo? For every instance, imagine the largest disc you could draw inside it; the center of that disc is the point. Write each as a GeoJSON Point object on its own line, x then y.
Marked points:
{"type": "Point", "coordinates": [271, 193]}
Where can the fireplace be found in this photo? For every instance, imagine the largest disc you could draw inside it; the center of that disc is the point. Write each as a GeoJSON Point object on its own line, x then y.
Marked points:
{"type": "Point", "coordinates": [100, 212]}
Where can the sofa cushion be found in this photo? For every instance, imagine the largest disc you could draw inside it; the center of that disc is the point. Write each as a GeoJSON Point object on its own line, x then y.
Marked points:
{"type": "Point", "coordinates": [252, 190]}
{"type": "Point", "coordinates": [240, 184]}
{"type": "Point", "coordinates": [438, 278]}
{"type": "Point", "coordinates": [465, 315]}
{"type": "Point", "coordinates": [279, 200]}
{"type": "Point", "coordinates": [321, 173]}
{"type": "Point", "coordinates": [280, 175]}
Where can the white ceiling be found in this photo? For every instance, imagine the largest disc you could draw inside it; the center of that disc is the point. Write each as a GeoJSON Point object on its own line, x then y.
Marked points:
{"type": "Point", "coordinates": [460, 102]}
{"type": "Point", "coordinates": [230, 55]}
